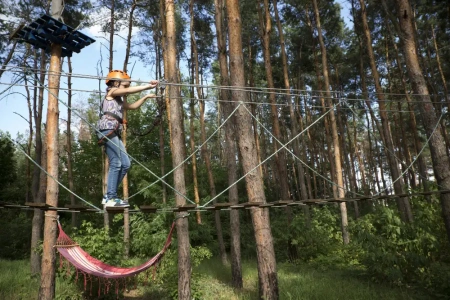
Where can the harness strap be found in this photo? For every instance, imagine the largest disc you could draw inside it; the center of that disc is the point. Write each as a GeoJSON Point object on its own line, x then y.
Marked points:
{"type": "Point", "coordinates": [119, 119]}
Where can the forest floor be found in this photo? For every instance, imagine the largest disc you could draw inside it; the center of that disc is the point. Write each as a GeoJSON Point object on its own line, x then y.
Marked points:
{"type": "Point", "coordinates": [213, 281]}
{"type": "Point", "coordinates": [304, 281]}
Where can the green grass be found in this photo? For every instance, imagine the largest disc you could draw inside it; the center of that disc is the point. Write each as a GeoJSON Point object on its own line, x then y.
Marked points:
{"type": "Point", "coordinates": [212, 281]}
{"type": "Point", "coordinates": [16, 283]}
{"type": "Point", "coordinates": [300, 282]}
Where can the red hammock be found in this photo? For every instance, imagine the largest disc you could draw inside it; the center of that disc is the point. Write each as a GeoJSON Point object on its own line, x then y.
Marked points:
{"type": "Point", "coordinates": [87, 264]}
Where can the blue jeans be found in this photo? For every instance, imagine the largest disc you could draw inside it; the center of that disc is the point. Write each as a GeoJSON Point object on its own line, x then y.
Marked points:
{"type": "Point", "coordinates": [119, 163]}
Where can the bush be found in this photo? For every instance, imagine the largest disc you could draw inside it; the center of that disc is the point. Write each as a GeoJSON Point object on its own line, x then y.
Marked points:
{"type": "Point", "coordinates": [403, 253]}
{"type": "Point", "coordinates": [322, 239]}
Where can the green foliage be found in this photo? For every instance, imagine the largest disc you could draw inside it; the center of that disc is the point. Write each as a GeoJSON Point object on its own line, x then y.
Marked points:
{"type": "Point", "coordinates": [405, 253]}
{"type": "Point", "coordinates": [8, 171]}
{"type": "Point", "coordinates": [198, 254]}
{"type": "Point", "coordinates": [148, 234]}
{"type": "Point", "coordinates": [322, 239]}
{"type": "Point", "coordinates": [99, 243]}
{"type": "Point", "coordinates": [15, 235]}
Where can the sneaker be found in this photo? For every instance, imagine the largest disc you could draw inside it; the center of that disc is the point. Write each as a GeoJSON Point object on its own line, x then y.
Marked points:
{"type": "Point", "coordinates": [104, 199]}
{"type": "Point", "coordinates": [117, 203]}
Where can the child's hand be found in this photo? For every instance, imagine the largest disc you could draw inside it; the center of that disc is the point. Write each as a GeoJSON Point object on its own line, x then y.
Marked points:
{"type": "Point", "coordinates": [154, 82]}
{"type": "Point", "coordinates": [150, 96]}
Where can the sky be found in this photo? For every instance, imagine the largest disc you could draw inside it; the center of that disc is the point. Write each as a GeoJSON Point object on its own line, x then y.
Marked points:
{"type": "Point", "coordinates": [13, 106]}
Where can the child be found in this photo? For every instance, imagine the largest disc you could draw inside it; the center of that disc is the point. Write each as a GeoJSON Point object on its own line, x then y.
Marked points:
{"type": "Point", "coordinates": [110, 126]}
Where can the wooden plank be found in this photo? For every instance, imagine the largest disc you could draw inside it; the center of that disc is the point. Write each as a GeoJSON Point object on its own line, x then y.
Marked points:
{"type": "Point", "coordinates": [296, 203]}
{"type": "Point", "coordinates": [282, 202]}
{"type": "Point", "coordinates": [185, 207]}
{"type": "Point", "coordinates": [77, 207]}
{"type": "Point", "coordinates": [14, 206]}
{"type": "Point", "coordinates": [268, 204]}
{"type": "Point", "coordinates": [251, 204]}
{"type": "Point", "coordinates": [38, 205]}
{"type": "Point", "coordinates": [209, 208]}
{"type": "Point", "coordinates": [236, 206]}
{"type": "Point", "coordinates": [148, 208]}
{"type": "Point", "coordinates": [222, 205]}
{"type": "Point", "coordinates": [115, 209]}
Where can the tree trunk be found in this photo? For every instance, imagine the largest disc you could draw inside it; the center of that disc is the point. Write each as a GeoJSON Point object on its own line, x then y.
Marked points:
{"type": "Point", "coordinates": [39, 183]}
{"type": "Point", "coordinates": [162, 48]}
{"type": "Point", "coordinates": [125, 185]}
{"type": "Point", "coordinates": [280, 157]}
{"type": "Point", "coordinates": [338, 189]}
{"type": "Point", "coordinates": [30, 140]}
{"type": "Point", "coordinates": [267, 273]}
{"type": "Point", "coordinates": [412, 123]}
{"type": "Point", "coordinates": [212, 187]}
{"type": "Point", "coordinates": [294, 125]}
{"type": "Point", "coordinates": [441, 72]}
{"type": "Point", "coordinates": [230, 149]}
{"type": "Point", "coordinates": [280, 166]}
{"type": "Point", "coordinates": [47, 287]}
{"type": "Point", "coordinates": [262, 168]}
{"type": "Point", "coordinates": [430, 121]}
{"type": "Point", "coordinates": [178, 154]}
{"type": "Point", "coordinates": [194, 157]}
{"type": "Point", "coordinates": [69, 141]}
{"type": "Point", "coordinates": [403, 202]}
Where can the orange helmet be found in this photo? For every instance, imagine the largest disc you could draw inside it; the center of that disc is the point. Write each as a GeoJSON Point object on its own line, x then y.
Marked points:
{"type": "Point", "coordinates": [117, 75]}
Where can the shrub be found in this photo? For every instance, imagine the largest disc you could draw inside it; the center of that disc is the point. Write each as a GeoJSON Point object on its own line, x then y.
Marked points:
{"type": "Point", "coordinates": [404, 253]}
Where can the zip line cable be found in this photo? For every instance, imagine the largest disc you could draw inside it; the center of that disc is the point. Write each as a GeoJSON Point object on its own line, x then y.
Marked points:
{"type": "Point", "coordinates": [229, 101]}
{"type": "Point", "coordinates": [283, 91]}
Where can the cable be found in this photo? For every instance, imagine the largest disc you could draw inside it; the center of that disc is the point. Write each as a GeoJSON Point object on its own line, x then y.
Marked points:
{"type": "Point", "coordinates": [277, 91]}
{"type": "Point", "coordinates": [56, 180]}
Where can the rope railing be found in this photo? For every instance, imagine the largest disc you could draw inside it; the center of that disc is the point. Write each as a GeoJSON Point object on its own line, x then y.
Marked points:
{"type": "Point", "coordinates": [244, 105]}
{"type": "Point", "coordinates": [264, 90]}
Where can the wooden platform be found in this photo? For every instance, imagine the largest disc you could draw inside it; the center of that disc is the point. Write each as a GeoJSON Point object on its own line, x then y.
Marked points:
{"type": "Point", "coordinates": [47, 30]}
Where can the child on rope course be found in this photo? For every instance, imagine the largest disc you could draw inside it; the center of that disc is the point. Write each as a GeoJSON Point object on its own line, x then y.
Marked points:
{"type": "Point", "coordinates": [110, 125]}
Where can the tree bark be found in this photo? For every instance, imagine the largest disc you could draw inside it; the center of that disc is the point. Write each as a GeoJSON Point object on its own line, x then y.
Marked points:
{"type": "Point", "coordinates": [194, 157]}
{"type": "Point", "coordinates": [430, 121]}
{"type": "Point", "coordinates": [230, 149]}
{"type": "Point", "coordinates": [412, 122]}
{"type": "Point", "coordinates": [267, 273]}
{"type": "Point", "coordinates": [293, 119]}
{"type": "Point", "coordinates": [125, 185]}
{"type": "Point", "coordinates": [39, 183]}
{"type": "Point", "coordinates": [69, 141]}
{"type": "Point", "coordinates": [47, 287]}
{"type": "Point", "coordinates": [403, 202]}
{"type": "Point", "coordinates": [338, 189]}
{"type": "Point", "coordinates": [178, 154]}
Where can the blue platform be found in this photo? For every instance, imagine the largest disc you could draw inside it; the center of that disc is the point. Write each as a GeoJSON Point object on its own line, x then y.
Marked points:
{"type": "Point", "coordinates": [47, 30]}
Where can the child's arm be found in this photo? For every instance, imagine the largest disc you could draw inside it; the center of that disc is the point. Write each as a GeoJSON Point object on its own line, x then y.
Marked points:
{"type": "Point", "coordinates": [138, 103]}
{"type": "Point", "coordinates": [121, 91]}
